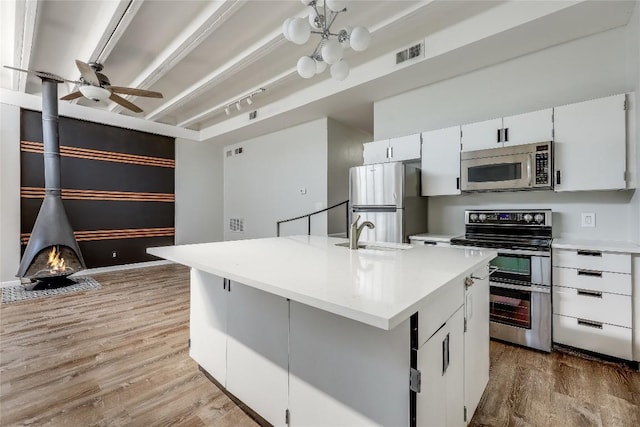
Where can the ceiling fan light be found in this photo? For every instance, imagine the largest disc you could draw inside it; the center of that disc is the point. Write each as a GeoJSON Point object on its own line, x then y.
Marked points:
{"type": "Point", "coordinates": [306, 67]}
{"type": "Point", "coordinates": [360, 38]}
{"type": "Point", "coordinates": [340, 70]}
{"type": "Point", "coordinates": [95, 93]}
{"type": "Point", "coordinates": [299, 30]}
{"type": "Point", "coordinates": [332, 51]}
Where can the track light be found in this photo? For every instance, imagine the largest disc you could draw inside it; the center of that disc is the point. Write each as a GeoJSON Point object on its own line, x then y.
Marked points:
{"type": "Point", "coordinates": [238, 102]}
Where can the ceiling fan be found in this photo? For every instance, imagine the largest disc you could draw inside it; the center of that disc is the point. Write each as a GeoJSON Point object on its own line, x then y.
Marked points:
{"type": "Point", "coordinates": [95, 86]}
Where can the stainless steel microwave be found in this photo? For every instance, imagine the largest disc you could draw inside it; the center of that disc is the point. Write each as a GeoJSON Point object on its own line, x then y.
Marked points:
{"type": "Point", "coordinates": [518, 167]}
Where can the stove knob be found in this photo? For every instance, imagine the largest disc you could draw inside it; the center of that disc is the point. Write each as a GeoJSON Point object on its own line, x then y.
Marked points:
{"type": "Point", "coordinates": [528, 217]}
{"type": "Point", "coordinates": [482, 217]}
{"type": "Point", "coordinates": [473, 217]}
{"type": "Point", "coordinates": [539, 218]}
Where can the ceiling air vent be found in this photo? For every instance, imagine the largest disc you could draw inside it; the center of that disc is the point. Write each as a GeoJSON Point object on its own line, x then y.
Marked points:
{"type": "Point", "coordinates": [410, 53]}
{"type": "Point", "coordinates": [236, 225]}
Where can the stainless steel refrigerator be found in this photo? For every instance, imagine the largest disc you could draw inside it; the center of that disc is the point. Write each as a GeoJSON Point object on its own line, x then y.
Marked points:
{"type": "Point", "coordinates": [388, 195]}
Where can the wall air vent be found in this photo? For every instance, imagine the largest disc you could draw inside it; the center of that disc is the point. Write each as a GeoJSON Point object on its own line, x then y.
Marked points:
{"type": "Point", "coordinates": [236, 225]}
{"type": "Point", "coordinates": [253, 115]}
{"type": "Point", "coordinates": [410, 53]}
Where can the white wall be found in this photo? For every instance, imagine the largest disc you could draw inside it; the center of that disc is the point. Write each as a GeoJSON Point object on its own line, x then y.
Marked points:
{"type": "Point", "coordinates": [587, 68]}
{"type": "Point", "coordinates": [344, 150]}
{"type": "Point", "coordinates": [199, 192]}
{"type": "Point", "coordinates": [262, 184]}
{"type": "Point", "coordinates": [9, 191]}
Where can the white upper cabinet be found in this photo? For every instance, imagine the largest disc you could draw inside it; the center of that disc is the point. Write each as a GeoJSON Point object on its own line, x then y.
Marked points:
{"type": "Point", "coordinates": [527, 128]}
{"type": "Point", "coordinates": [590, 145]}
{"type": "Point", "coordinates": [441, 162]}
{"type": "Point", "coordinates": [393, 150]}
{"type": "Point", "coordinates": [482, 135]}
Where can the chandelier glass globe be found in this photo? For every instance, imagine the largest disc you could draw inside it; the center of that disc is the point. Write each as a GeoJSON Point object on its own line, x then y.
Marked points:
{"type": "Point", "coordinates": [340, 70]}
{"type": "Point", "coordinates": [299, 30]}
{"type": "Point", "coordinates": [331, 51]}
{"type": "Point", "coordinates": [359, 39]}
{"type": "Point", "coordinates": [306, 67]}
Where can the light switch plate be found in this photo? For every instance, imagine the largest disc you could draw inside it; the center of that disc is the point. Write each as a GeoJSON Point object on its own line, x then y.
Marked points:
{"type": "Point", "coordinates": [588, 219]}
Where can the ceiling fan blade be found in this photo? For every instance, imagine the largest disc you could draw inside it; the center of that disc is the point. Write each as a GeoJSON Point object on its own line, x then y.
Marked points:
{"type": "Point", "coordinates": [136, 92]}
{"type": "Point", "coordinates": [43, 75]}
{"type": "Point", "coordinates": [126, 104]}
{"type": "Point", "coordinates": [72, 95]}
{"type": "Point", "coordinates": [87, 73]}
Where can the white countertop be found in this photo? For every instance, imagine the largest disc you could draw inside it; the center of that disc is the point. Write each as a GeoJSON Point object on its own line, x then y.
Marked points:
{"type": "Point", "coordinates": [446, 238]}
{"type": "Point", "coordinates": [381, 288]}
{"type": "Point", "coordinates": [600, 245]}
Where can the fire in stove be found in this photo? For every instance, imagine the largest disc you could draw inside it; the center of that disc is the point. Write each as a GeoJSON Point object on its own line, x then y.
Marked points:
{"type": "Point", "coordinates": [56, 262]}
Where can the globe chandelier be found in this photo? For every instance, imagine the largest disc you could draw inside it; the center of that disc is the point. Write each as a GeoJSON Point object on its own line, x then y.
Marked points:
{"type": "Point", "coordinates": [330, 49]}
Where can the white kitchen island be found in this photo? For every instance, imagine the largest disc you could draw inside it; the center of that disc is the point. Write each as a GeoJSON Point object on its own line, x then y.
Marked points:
{"type": "Point", "coordinates": [305, 332]}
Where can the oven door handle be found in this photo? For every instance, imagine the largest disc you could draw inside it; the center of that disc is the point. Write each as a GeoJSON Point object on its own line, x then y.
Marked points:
{"type": "Point", "coordinates": [532, 288]}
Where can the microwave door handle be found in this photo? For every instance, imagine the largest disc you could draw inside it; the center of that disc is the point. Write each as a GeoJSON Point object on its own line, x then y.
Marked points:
{"type": "Point", "coordinates": [529, 162]}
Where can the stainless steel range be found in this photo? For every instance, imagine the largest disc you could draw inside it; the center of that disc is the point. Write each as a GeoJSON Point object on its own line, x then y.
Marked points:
{"type": "Point", "coordinates": [520, 282]}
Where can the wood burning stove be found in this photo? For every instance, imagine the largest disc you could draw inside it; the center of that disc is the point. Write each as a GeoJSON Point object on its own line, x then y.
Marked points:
{"type": "Point", "coordinates": [52, 252]}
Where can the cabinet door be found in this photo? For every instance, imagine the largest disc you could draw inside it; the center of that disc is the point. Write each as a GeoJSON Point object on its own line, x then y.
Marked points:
{"type": "Point", "coordinates": [441, 362]}
{"type": "Point", "coordinates": [376, 152]}
{"type": "Point", "coordinates": [528, 128]}
{"type": "Point", "coordinates": [476, 340]}
{"type": "Point", "coordinates": [257, 351]}
{"type": "Point", "coordinates": [208, 324]}
{"type": "Point", "coordinates": [590, 145]}
{"type": "Point", "coordinates": [405, 148]}
{"type": "Point", "coordinates": [441, 162]}
{"type": "Point", "coordinates": [481, 135]}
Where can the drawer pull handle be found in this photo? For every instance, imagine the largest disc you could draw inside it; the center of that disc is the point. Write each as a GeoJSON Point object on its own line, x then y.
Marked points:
{"type": "Point", "coordinates": [590, 273]}
{"type": "Point", "coordinates": [586, 293]}
{"type": "Point", "coordinates": [590, 323]}
{"type": "Point", "coordinates": [590, 253]}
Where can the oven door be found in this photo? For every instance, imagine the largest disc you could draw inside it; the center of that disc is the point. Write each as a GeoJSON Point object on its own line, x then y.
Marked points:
{"type": "Point", "coordinates": [522, 267]}
{"type": "Point", "coordinates": [510, 172]}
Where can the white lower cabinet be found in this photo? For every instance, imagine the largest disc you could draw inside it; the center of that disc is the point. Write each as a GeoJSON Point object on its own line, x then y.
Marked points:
{"type": "Point", "coordinates": [257, 350]}
{"type": "Point", "coordinates": [592, 301]}
{"type": "Point", "coordinates": [476, 340]}
{"type": "Point", "coordinates": [441, 362]}
{"type": "Point", "coordinates": [208, 324]}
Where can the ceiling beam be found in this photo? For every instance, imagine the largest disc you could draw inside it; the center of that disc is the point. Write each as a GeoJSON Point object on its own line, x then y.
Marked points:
{"type": "Point", "coordinates": [256, 51]}
{"type": "Point", "coordinates": [209, 20]}
{"type": "Point", "coordinates": [380, 26]}
{"type": "Point", "coordinates": [26, 16]}
{"type": "Point", "coordinates": [120, 20]}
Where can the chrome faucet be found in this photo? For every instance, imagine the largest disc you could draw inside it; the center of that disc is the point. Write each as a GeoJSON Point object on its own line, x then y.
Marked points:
{"type": "Point", "coordinates": [356, 230]}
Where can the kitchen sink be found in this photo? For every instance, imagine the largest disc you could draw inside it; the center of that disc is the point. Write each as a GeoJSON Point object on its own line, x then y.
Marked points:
{"type": "Point", "coordinates": [379, 246]}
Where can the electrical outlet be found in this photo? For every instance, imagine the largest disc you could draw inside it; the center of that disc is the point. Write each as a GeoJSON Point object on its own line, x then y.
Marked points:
{"type": "Point", "coordinates": [114, 254]}
{"type": "Point", "coordinates": [588, 219]}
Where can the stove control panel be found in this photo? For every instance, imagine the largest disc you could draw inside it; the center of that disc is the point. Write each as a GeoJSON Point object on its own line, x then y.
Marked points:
{"type": "Point", "coordinates": [540, 218]}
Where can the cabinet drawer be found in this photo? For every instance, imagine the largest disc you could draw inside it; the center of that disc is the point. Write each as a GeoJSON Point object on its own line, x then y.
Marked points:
{"type": "Point", "coordinates": [601, 307]}
{"type": "Point", "coordinates": [439, 308]}
{"type": "Point", "coordinates": [592, 260]}
{"type": "Point", "coordinates": [605, 339]}
{"type": "Point", "coordinates": [616, 283]}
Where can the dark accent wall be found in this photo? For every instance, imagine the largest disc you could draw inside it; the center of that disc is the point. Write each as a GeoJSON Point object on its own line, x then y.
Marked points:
{"type": "Point", "coordinates": [117, 187]}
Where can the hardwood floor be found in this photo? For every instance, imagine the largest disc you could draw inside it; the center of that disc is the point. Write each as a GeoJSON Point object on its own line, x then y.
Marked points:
{"type": "Point", "coordinates": [118, 356]}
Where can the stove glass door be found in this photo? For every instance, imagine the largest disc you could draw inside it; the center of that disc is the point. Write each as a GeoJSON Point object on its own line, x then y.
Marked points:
{"type": "Point", "coordinates": [512, 268]}
{"type": "Point", "coordinates": [510, 307]}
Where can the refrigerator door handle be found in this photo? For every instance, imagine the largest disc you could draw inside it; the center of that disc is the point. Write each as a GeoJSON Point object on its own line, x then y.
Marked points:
{"type": "Point", "coordinates": [375, 209]}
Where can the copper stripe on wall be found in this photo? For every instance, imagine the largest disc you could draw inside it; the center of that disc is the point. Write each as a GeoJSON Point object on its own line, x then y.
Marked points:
{"type": "Point", "coordinates": [71, 194]}
{"type": "Point", "coordinates": [107, 156]}
{"type": "Point", "coordinates": [132, 233]}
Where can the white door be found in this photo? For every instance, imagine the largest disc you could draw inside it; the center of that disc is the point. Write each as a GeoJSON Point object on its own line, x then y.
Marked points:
{"type": "Point", "coordinates": [441, 362]}
{"type": "Point", "coordinates": [257, 351]}
{"type": "Point", "coordinates": [476, 340]}
{"type": "Point", "coordinates": [481, 135]}
{"type": "Point", "coordinates": [441, 162]}
{"type": "Point", "coordinates": [590, 145]}
{"type": "Point", "coordinates": [376, 152]}
{"type": "Point", "coordinates": [405, 148]}
{"type": "Point", "coordinates": [528, 128]}
{"type": "Point", "coordinates": [208, 324]}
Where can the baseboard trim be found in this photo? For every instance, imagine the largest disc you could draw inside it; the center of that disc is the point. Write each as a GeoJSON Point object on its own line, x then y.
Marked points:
{"type": "Point", "coordinates": [97, 270]}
